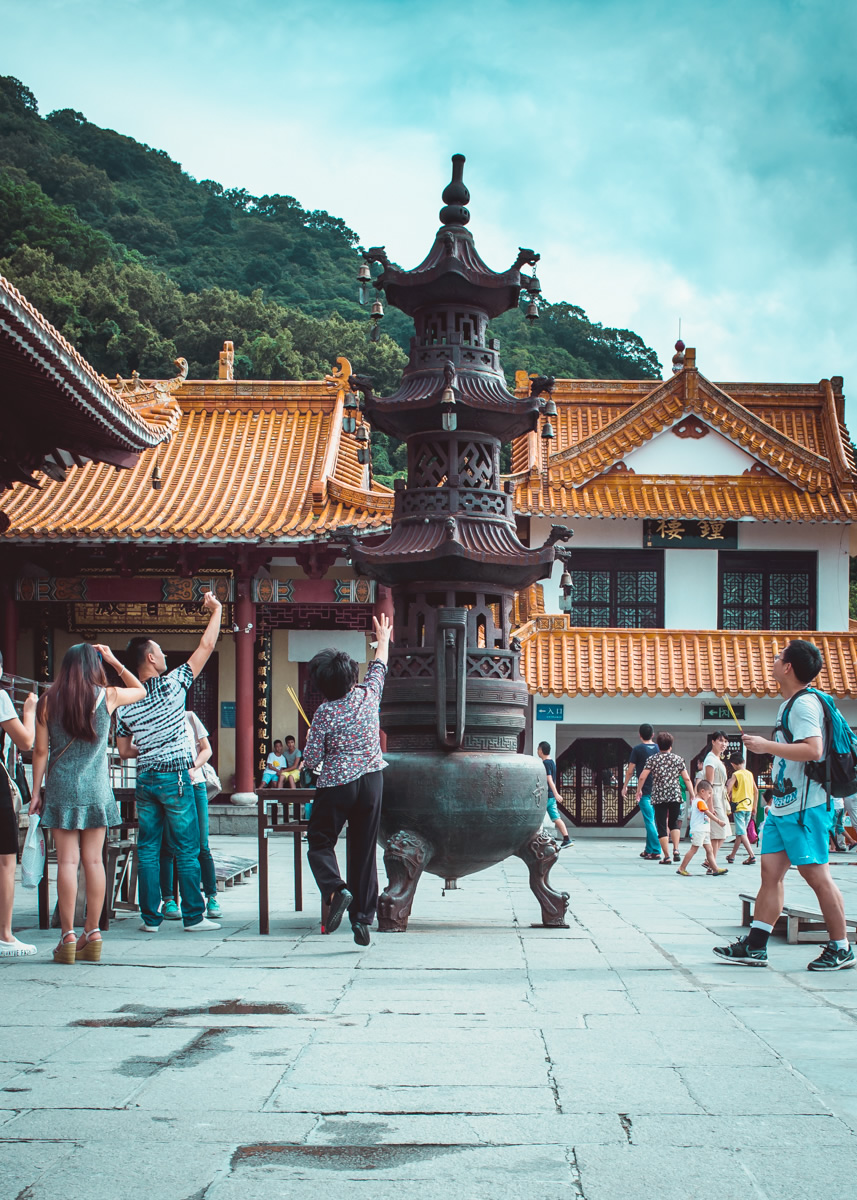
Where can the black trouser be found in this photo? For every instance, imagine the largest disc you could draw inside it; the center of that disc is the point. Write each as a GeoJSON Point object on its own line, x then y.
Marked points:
{"type": "Point", "coordinates": [667, 813]}
{"type": "Point", "coordinates": [358, 803]}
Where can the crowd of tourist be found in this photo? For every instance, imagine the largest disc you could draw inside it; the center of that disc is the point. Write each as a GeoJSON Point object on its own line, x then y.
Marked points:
{"type": "Point", "coordinates": [68, 730]}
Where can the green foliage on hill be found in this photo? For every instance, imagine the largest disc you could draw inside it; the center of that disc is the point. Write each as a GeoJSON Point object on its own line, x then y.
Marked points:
{"type": "Point", "coordinates": [136, 262]}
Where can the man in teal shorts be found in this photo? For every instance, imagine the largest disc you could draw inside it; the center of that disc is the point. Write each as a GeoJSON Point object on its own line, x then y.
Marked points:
{"type": "Point", "coordinates": [796, 832]}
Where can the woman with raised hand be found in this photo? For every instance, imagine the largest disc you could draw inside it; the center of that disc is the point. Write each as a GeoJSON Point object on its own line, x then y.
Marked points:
{"type": "Point", "coordinates": [21, 733]}
{"type": "Point", "coordinates": [72, 727]}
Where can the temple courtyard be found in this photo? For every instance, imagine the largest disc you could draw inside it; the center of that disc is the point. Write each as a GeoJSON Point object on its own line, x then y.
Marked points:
{"type": "Point", "coordinates": [473, 1057]}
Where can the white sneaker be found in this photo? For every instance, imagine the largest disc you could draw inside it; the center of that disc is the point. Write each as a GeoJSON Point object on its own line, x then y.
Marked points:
{"type": "Point", "coordinates": [201, 926]}
{"type": "Point", "coordinates": [144, 928]}
{"type": "Point", "coordinates": [16, 949]}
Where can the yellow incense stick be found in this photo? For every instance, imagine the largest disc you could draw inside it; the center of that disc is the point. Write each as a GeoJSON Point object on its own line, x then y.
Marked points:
{"type": "Point", "coordinates": [294, 697]}
{"type": "Point", "coordinates": [732, 710]}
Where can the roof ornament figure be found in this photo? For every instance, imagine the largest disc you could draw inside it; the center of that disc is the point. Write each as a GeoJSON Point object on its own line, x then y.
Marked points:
{"type": "Point", "coordinates": [678, 357]}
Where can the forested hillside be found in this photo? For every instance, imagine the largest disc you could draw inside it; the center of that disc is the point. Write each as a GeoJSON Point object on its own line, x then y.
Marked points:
{"type": "Point", "coordinates": [137, 263]}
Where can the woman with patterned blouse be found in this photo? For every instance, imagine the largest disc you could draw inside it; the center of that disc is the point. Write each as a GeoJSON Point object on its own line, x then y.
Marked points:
{"type": "Point", "coordinates": [666, 769]}
{"type": "Point", "coordinates": [344, 737]}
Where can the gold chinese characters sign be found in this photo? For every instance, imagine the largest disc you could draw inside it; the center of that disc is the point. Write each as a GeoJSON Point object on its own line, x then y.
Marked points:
{"type": "Point", "coordinates": [92, 620]}
{"type": "Point", "coordinates": [673, 533]}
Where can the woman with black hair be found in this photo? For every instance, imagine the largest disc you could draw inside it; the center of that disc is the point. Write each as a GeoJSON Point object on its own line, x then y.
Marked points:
{"type": "Point", "coordinates": [72, 727]}
{"type": "Point", "coordinates": [21, 733]}
{"type": "Point", "coordinates": [344, 737]}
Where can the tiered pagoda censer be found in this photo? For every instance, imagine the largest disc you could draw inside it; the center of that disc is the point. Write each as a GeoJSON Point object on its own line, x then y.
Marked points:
{"type": "Point", "coordinates": [458, 797]}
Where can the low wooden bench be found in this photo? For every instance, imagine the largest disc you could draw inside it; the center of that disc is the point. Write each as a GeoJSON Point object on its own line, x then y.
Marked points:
{"type": "Point", "coordinates": [269, 825]}
{"type": "Point", "coordinates": [799, 924]}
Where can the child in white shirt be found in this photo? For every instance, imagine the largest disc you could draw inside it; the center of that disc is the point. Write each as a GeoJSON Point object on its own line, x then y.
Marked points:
{"type": "Point", "coordinates": [701, 814]}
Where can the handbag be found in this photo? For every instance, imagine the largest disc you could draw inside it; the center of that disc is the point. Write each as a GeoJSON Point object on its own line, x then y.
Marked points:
{"type": "Point", "coordinates": [306, 778]}
{"type": "Point", "coordinates": [8, 786]}
{"type": "Point", "coordinates": [33, 854]}
{"type": "Point", "coordinates": [211, 779]}
{"type": "Point", "coordinates": [752, 832]}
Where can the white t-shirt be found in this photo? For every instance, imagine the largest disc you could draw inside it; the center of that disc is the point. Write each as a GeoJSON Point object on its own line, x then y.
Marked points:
{"type": "Point", "coordinates": [805, 720]}
{"type": "Point", "coordinates": [195, 732]}
{"type": "Point", "coordinates": [699, 819]}
{"type": "Point", "coordinates": [7, 708]}
{"type": "Point", "coordinates": [275, 762]}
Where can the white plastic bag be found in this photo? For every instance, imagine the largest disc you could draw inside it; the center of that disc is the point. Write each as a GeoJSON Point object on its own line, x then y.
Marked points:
{"type": "Point", "coordinates": [33, 855]}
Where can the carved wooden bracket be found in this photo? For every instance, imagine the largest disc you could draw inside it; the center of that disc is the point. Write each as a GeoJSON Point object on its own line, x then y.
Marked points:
{"type": "Point", "coordinates": [690, 427]}
{"type": "Point", "coordinates": [315, 561]}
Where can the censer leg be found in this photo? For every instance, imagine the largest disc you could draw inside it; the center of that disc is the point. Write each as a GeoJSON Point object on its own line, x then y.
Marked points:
{"type": "Point", "coordinates": [406, 856]}
{"type": "Point", "coordinates": [540, 854]}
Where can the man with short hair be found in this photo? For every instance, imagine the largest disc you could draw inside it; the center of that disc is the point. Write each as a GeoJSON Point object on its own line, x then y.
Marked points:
{"type": "Point", "coordinates": [153, 731]}
{"type": "Point", "coordinates": [640, 756]}
{"type": "Point", "coordinates": [544, 751]}
{"type": "Point", "coordinates": [797, 828]}
{"type": "Point", "coordinates": [290, 773]}
{"type": "Point", "coordinates": [274, 766]}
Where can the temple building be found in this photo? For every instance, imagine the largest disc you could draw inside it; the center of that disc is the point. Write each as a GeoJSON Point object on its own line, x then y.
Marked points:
{"type": "Point", "coordinates": [711, 523]}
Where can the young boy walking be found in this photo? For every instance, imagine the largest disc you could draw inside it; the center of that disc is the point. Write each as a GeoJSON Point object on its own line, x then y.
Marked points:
{"type": "Point", "coordinates": [544, 751]}
{"type": "Point", "coordinates": [700, 829]}
{"type": "Point", "coordinates": [796, 830]}
{"type": "Point", "coordinates": [741, 791]}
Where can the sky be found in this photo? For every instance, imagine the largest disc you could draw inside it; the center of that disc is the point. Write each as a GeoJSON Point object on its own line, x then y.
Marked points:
{"type": "Point", "coordinates": [689, 162]}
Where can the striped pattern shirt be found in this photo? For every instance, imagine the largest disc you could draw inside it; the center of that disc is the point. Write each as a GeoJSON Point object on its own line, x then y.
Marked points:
{"type": "Point", "coordinates": [157, 722]}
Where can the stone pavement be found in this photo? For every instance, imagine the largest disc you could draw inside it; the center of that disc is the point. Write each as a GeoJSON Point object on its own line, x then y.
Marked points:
{"type": "Point", "coordinates": [472, 1057]}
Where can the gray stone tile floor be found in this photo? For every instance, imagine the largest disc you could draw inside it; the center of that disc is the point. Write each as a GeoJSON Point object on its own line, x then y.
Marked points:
{"type": "Point", "coordinates": [474, 1056]}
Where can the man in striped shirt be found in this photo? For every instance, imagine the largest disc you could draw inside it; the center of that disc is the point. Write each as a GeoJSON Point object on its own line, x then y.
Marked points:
{"type": "Point", "coordinates": [153, 732]}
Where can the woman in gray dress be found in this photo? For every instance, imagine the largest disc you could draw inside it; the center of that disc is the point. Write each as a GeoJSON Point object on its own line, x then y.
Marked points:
{"type": "Point", "coordinates": [72, 726]}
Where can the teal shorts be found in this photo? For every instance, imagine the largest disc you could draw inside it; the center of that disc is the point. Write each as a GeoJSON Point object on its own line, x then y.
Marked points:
{"type": "Point", "coordinates": [553, 811]}
{"type": "Point", "coordinates": [804, 843]}
{"type": "Point", "coordinates": [742, 820]}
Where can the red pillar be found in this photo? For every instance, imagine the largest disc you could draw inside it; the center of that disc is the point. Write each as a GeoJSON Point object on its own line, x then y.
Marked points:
{"type": "Point", "coordinates": [9, 642]}
{"type": "Point", "coordinates": [245, 615]}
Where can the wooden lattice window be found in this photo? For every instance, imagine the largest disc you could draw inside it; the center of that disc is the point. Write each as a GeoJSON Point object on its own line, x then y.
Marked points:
{"type": "Point", "coordinates": [618, 589]}
{"type": "Point", "coordinates": [589, 779]}
{"type": "Point", "coordinates": [767, 590]}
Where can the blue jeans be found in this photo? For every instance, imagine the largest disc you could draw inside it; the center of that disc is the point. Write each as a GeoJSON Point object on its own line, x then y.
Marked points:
{"type": "Point", "coordinates": [165, 802]}
{"type": "Point", "coordinates": [653, 846]}
{"type": "Point", "coordinates": [206, 862]}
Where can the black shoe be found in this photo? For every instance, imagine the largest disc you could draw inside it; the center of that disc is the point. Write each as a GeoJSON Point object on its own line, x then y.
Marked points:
{"type": "Point", "coordinates": [832, 959]}
{"type": "Point", "coordinates": [338, 905]}
{"type": "Point", "coordinates": [361, 933]}
{"type": "Point", "coordinates": [742, 954]}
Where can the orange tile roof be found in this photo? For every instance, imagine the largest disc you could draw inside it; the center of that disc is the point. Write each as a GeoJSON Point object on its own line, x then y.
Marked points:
{"type": "Point", "coordinates": [250, 461]}
{"type": "Point", "coordinates": [690, 497]}
{"type": "Point", "coordinates": [59, 412]}
{"type": "Point", "coordinates": [797, 431]}
{"type": "Point", "coordinates": [558, 661]}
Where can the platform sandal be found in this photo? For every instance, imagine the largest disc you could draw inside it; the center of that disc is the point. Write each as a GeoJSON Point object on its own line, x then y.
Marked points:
{"type": "Point", "coordinates": [66, 951]}
{"type": "Point", "coordinates": [730, 858]}
{"type": "Point", "coordinates": [89, 946]}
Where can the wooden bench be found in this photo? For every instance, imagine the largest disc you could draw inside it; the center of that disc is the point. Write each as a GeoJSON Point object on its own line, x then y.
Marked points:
{"type": "Point", "coordinates": [799, 924]}
{"type": "Point", "coordinates": [292, 800]}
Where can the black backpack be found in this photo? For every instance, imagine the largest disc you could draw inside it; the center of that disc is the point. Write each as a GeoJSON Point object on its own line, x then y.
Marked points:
{"type": "Point", "coordinates": [837, 771]}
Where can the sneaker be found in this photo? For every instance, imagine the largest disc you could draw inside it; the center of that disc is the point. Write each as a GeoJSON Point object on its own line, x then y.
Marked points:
{"type": "Point", "coordinates": [833, 959]}
{"type": "Point", "coordinates": [565, 843]}
{"type": "Point", "coordinates": [212, 908]}
{"type": "Point", "coordinates": [144, 928]}
{"type": "Point", "coordinates": [681, 872]}
{"type": "Point", "coordinates": [16, 949]}
{"type": "Point", "coordinates": [742, 954]}
{"type": "Point", "coordinates": [201, 926]}
{"type": "Point", "coordinates": [171, 911]}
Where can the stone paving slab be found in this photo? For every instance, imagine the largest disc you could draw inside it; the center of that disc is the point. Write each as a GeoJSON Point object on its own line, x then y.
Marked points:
{"type": "Point", "coordinates": [474, 1056]}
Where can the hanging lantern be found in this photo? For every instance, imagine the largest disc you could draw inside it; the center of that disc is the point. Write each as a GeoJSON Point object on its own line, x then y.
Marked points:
{"type": "Point", "coordinates": [449, 420]}
{"type": "Point", "coordinates": [364, 275]}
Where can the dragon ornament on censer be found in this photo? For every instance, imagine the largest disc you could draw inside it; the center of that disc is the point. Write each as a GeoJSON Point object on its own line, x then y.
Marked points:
{"type": "Point", "coordinates": [458, 797]}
